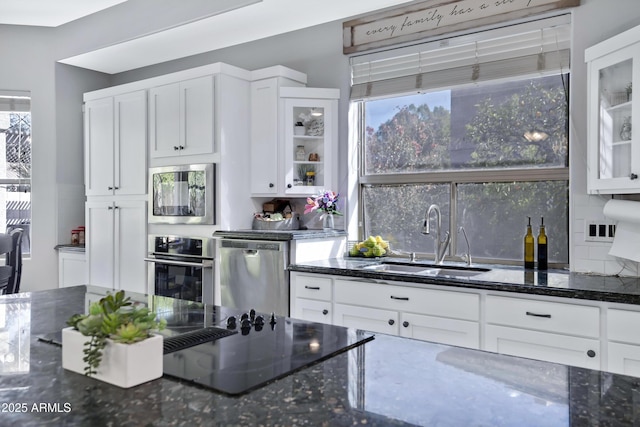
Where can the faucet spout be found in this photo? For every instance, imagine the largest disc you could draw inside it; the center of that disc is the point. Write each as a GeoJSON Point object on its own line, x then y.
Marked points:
{"type": "Point", "coordinates": [440, 246]}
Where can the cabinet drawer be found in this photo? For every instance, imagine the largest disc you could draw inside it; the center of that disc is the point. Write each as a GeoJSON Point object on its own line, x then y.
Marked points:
{"type": "Point", "coordinates": [545, 346]}
{"type": "Point", "coordinates": [457, 305]}
{"type": "Point", "coordinates": [313, 287]}
{"type": "Point", "coordinates": [544, 316]}
{"type": "Point", "coordinates": [620, 326]}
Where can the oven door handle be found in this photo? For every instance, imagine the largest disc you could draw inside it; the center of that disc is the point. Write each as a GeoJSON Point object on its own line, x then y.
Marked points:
{"type": "Point", "coordinates": [203, 264]}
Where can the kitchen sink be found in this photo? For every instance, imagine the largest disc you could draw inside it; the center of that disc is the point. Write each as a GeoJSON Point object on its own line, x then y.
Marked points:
{"type": "Point", "coordinates": [426, 269]}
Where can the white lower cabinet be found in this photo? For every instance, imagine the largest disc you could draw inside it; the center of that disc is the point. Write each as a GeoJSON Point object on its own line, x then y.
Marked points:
{"type": "Point", "coordinates": [623, 342]}
{"type": "Point", "coordinates": [589, 334]}
{"type": "Point", "coordinates": [116, 244]}
{"type": "Point", "coordinates": [72, 268]}
{"type": "Point", "coordinates": [311, 297]}
{"type": "Point", "coordinates": [543, 330]}
{"type": "Point", "coordinates": [447, 317]}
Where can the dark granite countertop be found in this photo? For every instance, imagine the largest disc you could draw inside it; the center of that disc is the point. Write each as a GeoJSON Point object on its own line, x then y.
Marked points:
{"type": "Point", "coordinates": [557, 283]}
{"type": "Point", "coordinates": [390, 381]}
{"type": "Point", "coordinates": [279, 234]}
{"type": "Point", "coordinates": [70, 248]}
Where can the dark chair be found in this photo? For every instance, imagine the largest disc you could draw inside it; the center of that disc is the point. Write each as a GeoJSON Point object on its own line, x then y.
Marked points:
{"type": "Point", "coordinates": [14, 259]}
{"type": "Point", "coordinates": [6, 271]}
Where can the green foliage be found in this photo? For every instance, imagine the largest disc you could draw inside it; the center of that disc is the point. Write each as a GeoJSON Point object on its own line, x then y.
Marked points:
{"type": "Point", "coordinates": [116, 318]}
{"type": "Point", "coordinates": [497, 131]}
{"type": "Point", "coordinates": [413, 139]}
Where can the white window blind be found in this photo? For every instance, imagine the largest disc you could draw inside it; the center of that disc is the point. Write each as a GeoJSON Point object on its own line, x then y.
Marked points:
{"type": "Point", "coordinates": [15, 101]}
{"type": "Point", "coordinates": [533, 48]}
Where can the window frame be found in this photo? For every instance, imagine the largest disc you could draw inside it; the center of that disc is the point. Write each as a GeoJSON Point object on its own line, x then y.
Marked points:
{"type": "Point", "coordinates": [450, 177]}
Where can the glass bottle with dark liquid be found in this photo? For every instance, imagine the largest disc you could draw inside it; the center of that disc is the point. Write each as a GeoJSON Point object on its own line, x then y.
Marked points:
{"type": "Point", "coordinates": [542, 248]}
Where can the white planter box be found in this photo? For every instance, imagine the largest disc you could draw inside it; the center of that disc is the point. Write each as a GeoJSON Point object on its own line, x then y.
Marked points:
{"type": "Point", "coordinates": [123, 365]}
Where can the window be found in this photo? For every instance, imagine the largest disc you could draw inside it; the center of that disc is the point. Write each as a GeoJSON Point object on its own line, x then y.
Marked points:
{"type": "Point", "coordinates": [15, 164]}
{"type": "Point", "coordinates": [491, 152]}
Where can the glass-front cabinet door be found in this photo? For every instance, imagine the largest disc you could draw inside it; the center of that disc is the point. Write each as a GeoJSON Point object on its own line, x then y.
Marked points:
{"type": "Point", "coordinates": [614, 144]}
{"type": "Point", "coordinates": [310, 136]}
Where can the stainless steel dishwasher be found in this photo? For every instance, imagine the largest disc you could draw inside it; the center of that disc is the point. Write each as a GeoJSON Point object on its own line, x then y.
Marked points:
{"type": "Point", "coordinates": [253, 274]}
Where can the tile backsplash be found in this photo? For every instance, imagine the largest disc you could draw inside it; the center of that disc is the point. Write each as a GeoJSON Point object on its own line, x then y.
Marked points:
{"type": "Point", "coordinates": [589, 256]}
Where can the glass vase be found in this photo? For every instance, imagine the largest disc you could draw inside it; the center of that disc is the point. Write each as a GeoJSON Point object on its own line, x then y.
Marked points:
{"type": "Point", "coordinates": [327, 222]}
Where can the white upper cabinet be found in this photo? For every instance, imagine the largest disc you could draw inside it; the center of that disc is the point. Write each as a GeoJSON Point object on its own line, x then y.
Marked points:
{"type": "Point", "coordinates": [181, 118]}
{"type": "Point", "coordinates": [281, 156]}
{"type": "Point", "coordinates": [613, 114]}
{"type": "Point", "coordinates": [115, 145]}
{"type": "Point", "coordinates": [310, 132]}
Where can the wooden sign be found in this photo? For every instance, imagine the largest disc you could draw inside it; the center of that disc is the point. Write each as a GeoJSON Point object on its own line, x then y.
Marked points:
{"type": "Point", "coordinates": [434, 17]}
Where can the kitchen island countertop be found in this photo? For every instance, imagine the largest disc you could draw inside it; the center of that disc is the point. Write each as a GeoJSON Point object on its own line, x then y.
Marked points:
{"type": "Point", "coordinates": [555, 283]}
{"type": "Point", "coordinates": [389, 381]}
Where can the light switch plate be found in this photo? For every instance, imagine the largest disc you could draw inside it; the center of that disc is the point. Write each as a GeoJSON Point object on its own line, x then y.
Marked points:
{"type": "Point", "coordinates": [599, 231]}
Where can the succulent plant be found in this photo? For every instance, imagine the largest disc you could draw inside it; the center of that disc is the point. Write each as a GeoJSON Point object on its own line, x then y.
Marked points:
{"type": "Point", "coordinates": [112, 317]}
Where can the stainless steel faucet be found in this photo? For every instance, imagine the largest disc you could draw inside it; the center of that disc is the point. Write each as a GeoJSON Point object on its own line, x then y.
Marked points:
{"type": "Point", "coordinates": [440, 246]}
{"type": "Point", "coordinates": [467, 256]}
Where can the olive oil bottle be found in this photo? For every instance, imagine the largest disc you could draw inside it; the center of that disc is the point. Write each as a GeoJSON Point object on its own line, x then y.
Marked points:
{"type": "Point", "coordinates": [528, 247]}
{"type": "Point", "coordinates": [542, 247]}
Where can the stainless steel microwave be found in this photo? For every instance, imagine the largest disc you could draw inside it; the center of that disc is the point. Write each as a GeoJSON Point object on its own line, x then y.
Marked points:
{"type": "Point", "coordinates": [183, 194]}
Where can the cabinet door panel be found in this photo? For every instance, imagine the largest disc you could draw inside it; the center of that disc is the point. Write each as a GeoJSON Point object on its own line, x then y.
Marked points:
{"type": "Point", "coordinates": [164, 123]}
{"type": "Point", "coordinates": [100, 244]}
{"type": "Point", "coordinates": [368, 319]}
{"type": "Point", "coordinates": [441, 330]}
{"type": "Point", "coordinates": [313, 311]}
{"type": "Point", "coordinates": [131, 143]}
{"type": "Point", "coordinates": [196, 120]}
{"type": "Point", "coordinates": [624, 359]}
{"type": "Point", "coordinates": [99, 147]}
{"type": "Point", "coordinates": [131, 239]}
{"type": "Point", "coordinates": [264, 137]}
{"type": "Point", "coordinates": [543, 346]}
{"type": "Point", "coordinates": [72, 269]}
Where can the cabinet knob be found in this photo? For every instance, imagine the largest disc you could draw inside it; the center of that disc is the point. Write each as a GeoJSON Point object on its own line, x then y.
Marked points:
{"type": "Point", "coordinates": [182, 147]}
{"type": "Point", "coordinates": [176, 148]}
{"type": "Point", "coordinates": [405, 324]}
{"type": "Point", "coordinates": [325, 311]}
{"type": "Point", "coordinates": [271, 185]}
{"type": "Point", "coordinates": [289, 185]}
{"type": "Point", "coordinates": [591, 353]}
{"type": "Point", "coordinates": [633, 176]}
{"type": "Point", "coordinates": [109, 188]}
{"type": "Point", "coordinates": [391, 321]}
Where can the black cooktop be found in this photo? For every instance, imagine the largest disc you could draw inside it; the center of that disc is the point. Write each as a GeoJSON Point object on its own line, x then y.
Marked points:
{"type": "Point", "coordinates": [252, 356]}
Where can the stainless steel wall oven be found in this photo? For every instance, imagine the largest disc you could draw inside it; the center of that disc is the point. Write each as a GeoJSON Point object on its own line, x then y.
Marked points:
{"type": "Point", "coordinates": [182, 267]}
{"type": "Point", "coordinates": [183, 194]}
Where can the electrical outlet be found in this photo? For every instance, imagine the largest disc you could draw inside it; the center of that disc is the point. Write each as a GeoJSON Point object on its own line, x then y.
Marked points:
{"type": "Point", "coordinates": [599, 231]}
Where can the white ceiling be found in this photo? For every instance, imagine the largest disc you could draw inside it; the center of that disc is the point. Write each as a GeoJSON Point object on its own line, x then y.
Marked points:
{"type": "Point", "coordinates": [49, 13]}
{"type": "Point", "coordinates": [256, 21]}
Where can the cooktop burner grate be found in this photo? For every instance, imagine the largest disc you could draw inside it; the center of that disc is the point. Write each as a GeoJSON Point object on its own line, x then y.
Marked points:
{"type": "Point", "coordinates": [191, 339]}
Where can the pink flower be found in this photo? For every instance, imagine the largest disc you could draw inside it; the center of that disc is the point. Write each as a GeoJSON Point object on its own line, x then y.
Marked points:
{"type": "Point", "coordinates": [312, 205]}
